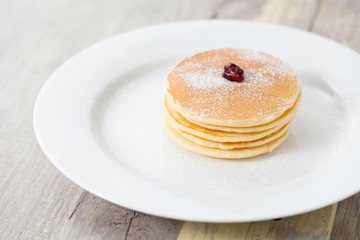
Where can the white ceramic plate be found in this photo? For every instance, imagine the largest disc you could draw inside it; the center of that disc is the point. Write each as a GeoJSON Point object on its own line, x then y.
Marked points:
{"type": "Point", "coordinates": [99, 120]}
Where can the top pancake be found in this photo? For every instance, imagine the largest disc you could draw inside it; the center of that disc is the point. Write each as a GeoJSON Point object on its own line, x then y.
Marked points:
{"type": "Point", "coordinates": [201, 94]}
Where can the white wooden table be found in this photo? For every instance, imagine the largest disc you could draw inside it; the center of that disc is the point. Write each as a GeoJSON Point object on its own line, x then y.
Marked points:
{"type": "Point", "coordinates": [38, 202]}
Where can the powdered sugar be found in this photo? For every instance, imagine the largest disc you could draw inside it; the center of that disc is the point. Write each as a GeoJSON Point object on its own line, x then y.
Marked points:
{"type": "Point", "coordinates": [211, 76]}
{"type": "Point", "coordinates": [209, 94]}
{"type": "Point", "coordinates": [208, 79]}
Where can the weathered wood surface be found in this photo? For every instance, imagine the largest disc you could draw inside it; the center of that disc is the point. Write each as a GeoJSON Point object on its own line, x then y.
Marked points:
{"type": "Point", "coordinates": [313, 225]}
{"type": "Point", "coordinates": [340, 21]}
{"type": "Point", "coordinates": [95, 218]}
{"type": "Point", "coordinates": [36, 201]}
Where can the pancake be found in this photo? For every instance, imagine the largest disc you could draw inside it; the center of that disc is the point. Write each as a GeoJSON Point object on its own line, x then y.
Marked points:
{"type": "Point", "coordinates": [233, 145]}
{"type": "Point", "coordinates": [203, 96]}
{"type": "Point", "coordinates": [227, 154]}
{"type": "Point", "coordinates": [282, 120]}
{"type": "Point", "coordinates": [180, 123]}
{"type": "Point", "coordinates": [231, 103]}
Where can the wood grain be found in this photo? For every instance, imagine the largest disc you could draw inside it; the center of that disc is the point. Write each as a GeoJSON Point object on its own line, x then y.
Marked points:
{"type": "Point", "coordinates": [36, 201]}
{"type": "Point", "coordinates": [294, 13]}
{"type": "Point", "coordinates": [95, 218]}
{"type": "Point", "coordinates": [308, 15]}
{"type": "Point", "coordinates": [347, 221]}
{"type": "Point", "coordinates": [313, 225]}
{"type": "Point", "coordinates": [35, 38]}
{"type": "Point", "coordinates": [340, 21]}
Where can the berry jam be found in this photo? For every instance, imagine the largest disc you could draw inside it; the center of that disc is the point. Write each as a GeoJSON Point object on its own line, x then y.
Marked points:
{"type": "Point", "coordinates": [233, 72]}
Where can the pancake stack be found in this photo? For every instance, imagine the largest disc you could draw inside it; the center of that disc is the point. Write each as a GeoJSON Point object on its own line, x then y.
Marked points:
{"type": "Point", "coordinates": [212, 114]}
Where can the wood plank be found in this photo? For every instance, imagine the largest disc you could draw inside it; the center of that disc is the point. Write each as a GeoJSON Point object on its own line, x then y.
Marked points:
{"type": "Point", "coordinates": [313, 225]}
{"type": "Point", "coordinates": [246, 10]}
{"type": "Point", "coordinates": [311, 15]}
{"type": "Point", "coordinates": [35, 198]}
{"type": "Point", "coordinates": [293, 13]}
{"type": "Point", "coordinates": [347, 221]}
{"type": "Point", "coordinates": [340, 21]}
{"type": "Point", "coordinates": [36, 201]}
{"type": "Point", "coordinates": [96, 218]}
{"type": "Point", "coordinates": [96, 222]}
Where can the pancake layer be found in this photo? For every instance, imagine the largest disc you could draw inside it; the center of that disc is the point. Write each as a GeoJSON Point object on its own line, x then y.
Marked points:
{"type": "Point", "coordinates": [202, 95]}
{"type": "Point", "coordinates": [178, 122]}
{"type": "Point", "coordinates": [283, 119]}
{"type": "Point", "coordinates": [221, 153]}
